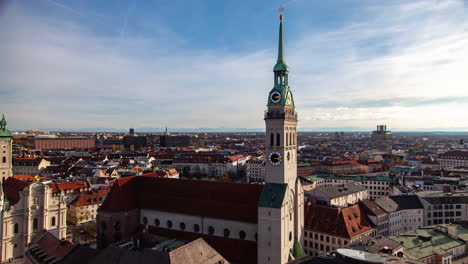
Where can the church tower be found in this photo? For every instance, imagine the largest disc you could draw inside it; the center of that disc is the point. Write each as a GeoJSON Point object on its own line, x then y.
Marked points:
{"type": "Point", "coordinates": [281, 206]}
{"type": "Point", "coordinates": [6, 143]}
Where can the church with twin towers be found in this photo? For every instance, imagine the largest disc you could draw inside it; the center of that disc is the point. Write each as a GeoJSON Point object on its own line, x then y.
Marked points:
{"type": "Point", "coordinates": [246, 223]}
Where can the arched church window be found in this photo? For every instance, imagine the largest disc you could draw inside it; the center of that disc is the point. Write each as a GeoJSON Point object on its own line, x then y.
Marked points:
{"type": "Point", "coordinates": [278, 139]}
{"type": "Point", "coordinates": [169, 223]}
{"type": "Point", "coordinates": [196, 228]}
{"type": "Point", "coordinates": [272, 139]}
{"type": "Point", "coordinates": [15, 229]}
{"type": "Point", "coordinates": [4, 159]}
{"type": "Point", "coordinates": [210, 230]}
{"type": "Point", "coordinates": [290, 235]}
{"type": "Point", "coordinates": [242, 234]}
{"type": "Point", "coordinates": [156, 222]}
{"type": "Point", "coordinates": [287, 139]}
{"type": "Point", "coordinates": [52, 222]}
{"type": "Point", "coordinates": [226, 232]}
{"type": "Point", "coordinates": [145, 220]}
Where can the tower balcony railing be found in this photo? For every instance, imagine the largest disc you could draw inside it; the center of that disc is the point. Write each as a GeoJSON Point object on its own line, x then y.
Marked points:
{"type": "Point", "coordinates": [280, 115]}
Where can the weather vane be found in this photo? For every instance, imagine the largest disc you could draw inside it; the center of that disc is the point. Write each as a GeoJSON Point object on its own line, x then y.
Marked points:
{"type": "Point", "coordinates": [281, 10]}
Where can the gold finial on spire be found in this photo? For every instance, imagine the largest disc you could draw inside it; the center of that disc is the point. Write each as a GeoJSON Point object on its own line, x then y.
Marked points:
{"type": "Point", "coordinates": [281, 10]}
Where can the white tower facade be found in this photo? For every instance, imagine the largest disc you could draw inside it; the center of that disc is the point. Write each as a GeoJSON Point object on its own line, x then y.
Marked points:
{"type": "Point", "coordinates": [281, 206]}
{"type": "Point", "coordinates": [6, 144]}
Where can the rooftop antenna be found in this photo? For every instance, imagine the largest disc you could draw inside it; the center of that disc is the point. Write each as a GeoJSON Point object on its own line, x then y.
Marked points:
{"type": "Point", "coordinates": [281, 10]}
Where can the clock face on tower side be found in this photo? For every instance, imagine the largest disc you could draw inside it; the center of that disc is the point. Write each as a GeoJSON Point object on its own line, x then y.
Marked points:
{"type": "Point", "coordinates": [4, 147]}
{"type": "Point", "coordinates": [275, 97]}
{"type": "Point", "coordinates": [275, 158]}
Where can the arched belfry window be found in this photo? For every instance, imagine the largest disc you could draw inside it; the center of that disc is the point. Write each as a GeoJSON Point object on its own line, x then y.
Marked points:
{"type": "Point", "coordinates": [278, 139]}
{"type": "Point", "coordinates": [15, 230]}
{"type": "Point", "coordinates": [4, 159]}
{"type": "Point", "coordinates": [35, 223]}
{"type": "Point", "coordinates": [272, 139]}
{"type": "Point", "coordinates": [287, 140]}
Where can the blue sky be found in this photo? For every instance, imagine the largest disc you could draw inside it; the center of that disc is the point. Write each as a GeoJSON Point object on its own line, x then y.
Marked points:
{"type": "Point", "coordinates": [190, 64]}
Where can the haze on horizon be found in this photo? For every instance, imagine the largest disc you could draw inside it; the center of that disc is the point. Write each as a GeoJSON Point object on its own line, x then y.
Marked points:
{"type": "Point", "coordinates": [354, 64]}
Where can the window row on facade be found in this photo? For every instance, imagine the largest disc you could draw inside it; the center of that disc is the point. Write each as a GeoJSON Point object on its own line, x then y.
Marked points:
{"type": "Point", "coordinates": [196, 228]}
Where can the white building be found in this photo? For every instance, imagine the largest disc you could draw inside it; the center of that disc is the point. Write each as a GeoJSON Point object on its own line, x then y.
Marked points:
{"type": "Point", "coordinates": [340, 195]}
{"type": "Point", "coordinates": [256, 170]}
{"type": "Point", "coordinates": [29, 208]}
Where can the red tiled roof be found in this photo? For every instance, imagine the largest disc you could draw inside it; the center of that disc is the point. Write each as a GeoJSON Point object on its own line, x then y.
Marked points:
{"type": "Point", "coordinates": [25, 177]}
{"type": "Point", "coordinates": [12, 188]}
{"type": "Point", "coordinates": [234, 250]}
{"type": "Point", "coordinates": [454, 154]}
{"type": "Point", "coordinates": [226, 200]}
{"type": "Point", "coordinates": [345, 222]}
{"type": "Point", "coordinates": [66, 186]}
{"type": "Point", "coordinates": [54, 247]}
{"type": "Point", "coordinates": [88, 198]}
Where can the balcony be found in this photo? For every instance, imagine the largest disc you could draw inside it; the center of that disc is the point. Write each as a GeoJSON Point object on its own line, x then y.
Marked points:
{"type": "Point", "coordinates": [281, 115]}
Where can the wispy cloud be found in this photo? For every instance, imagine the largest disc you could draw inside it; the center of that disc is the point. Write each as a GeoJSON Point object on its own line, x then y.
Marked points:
{"type": "Point", "coordinates": [392, 62]}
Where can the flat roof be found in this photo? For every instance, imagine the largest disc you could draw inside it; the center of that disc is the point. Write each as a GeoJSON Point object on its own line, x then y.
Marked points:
{"type": "Point", "coordinates": [360, 255]}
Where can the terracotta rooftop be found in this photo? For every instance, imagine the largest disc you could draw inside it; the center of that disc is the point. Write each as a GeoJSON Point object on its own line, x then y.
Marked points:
{"type": "Point", "coordinates": [345, 222]}
{"type": "Point", "coordinates": [12, 188]}
{"type": "Point", "coordinates": [226, 200]}
{"type": "Point", "coordinates": [234, 250]}
{"type": "Point", "coordinates": [88, 198]}
{"type": "Point", "coordinates": [67, 186]}
{"type": "Point", "coordinates": [52, 247]}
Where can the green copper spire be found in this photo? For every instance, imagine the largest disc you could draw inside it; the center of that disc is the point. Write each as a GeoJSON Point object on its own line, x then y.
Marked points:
{"type": "Point", "coordinates": [3, 123]}
{"type": "Point", "coordinates": [281, 62]}
{"type": "Point", "coordinates": [281, 43]}
{"type": "Point", "coordinates": [281, 94]}
{"type": "Point", "coordinates": [5, 134]}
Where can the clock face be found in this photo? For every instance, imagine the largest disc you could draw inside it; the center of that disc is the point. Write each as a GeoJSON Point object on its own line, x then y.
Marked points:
{"type": "Point", "coordinates": [4, 146]}
{"type": "Point", "coordinates": [275, 158]}
{"type": "Point", "coordinates": [275, 97]}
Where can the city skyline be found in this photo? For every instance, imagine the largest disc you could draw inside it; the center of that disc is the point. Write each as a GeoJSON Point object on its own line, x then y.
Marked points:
{"type": "Point", "coordinates": [75, 65]}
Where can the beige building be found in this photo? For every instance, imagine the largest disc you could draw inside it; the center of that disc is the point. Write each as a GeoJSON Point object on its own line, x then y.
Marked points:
{"type": "Point", "coordinates": [256, 170]}
{"type": "Point", "coordinates": [377, 186]}
{"type": "Point", "coordinates": [29, 166]}
{"type": "Point", "coordinates": [340, 195]}
{"type": "Point", "coordinates": [28, 208]}
{"type": "Point", "coordinates": [454, 158]}
{"type": "Point", "coordinates": [84, 208]}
